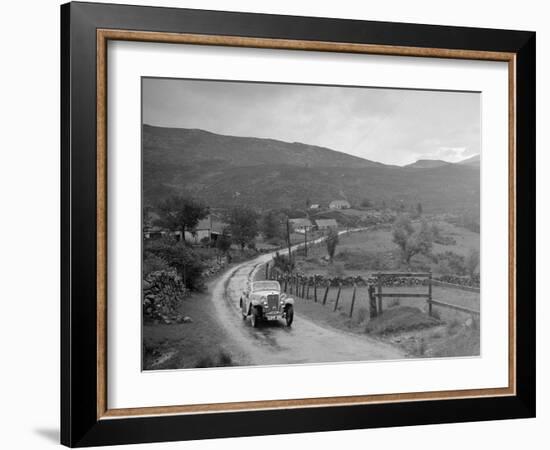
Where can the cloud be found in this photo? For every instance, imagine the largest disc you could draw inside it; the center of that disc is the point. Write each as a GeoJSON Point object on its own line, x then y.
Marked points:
{"type": "Point", "coordinates": [388, 125]}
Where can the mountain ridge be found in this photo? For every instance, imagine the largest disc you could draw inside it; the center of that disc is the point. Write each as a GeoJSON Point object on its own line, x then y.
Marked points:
{"type": "Point", "coordinates": [267, 174]}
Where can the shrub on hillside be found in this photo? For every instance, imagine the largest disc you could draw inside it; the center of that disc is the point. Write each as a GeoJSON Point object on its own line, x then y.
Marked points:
{"type": "Point", "coordinates": [363, 260]}
{"type": "Point", "coordinates": [450, 263]}
{"type": "Point", "coordinates": [181, 257]}
{"type": "Point", "coordinates": [153, 263]}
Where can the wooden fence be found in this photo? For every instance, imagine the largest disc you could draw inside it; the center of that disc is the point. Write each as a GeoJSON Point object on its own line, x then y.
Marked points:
{"type": "Point", "coordinates": [320, 293]}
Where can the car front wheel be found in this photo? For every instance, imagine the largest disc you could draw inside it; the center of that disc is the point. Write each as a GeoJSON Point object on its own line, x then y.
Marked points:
{"type": "Point", "coordinates": [254, 318]}
{"type": "Point", "coordinates": [243, 312]}
{"type": "Point", "coordinates": [289, 315]}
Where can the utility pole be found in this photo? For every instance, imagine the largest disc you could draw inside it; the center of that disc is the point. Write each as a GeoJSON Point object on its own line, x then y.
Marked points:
{"type": "Point", "coordinates": [305, 240]}
{"type": "Point", "coordinates": [288, 241]}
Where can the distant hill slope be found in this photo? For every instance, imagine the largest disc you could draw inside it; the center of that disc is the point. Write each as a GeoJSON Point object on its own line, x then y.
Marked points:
{"type": "Point", "coordinates": [473, 161]}
{"type": "Point", "coordinates": [180, 145]}
{"type": "Point", "coordinates": [266, 173]}
{"type": "Point", "coordinates": [427, 164]}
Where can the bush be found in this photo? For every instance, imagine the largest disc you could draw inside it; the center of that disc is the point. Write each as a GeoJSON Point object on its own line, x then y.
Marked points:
{"type": "Point", "coordinates": [336, 270]}
{"type": "Point", "coordinates": [362, 314]}
{"type": "Point", "coordinates": [450, 263]}
{"type": "Point", "coordinates": [362, 260]}
{"type": "Point", "coordinates": [153, 263]}
{"type": "Point", "coordinates": [283, 264]}
{"type": "Point", "coordinates": [470, 221]}
{"type": "Point", "coordinates": [181, 257]}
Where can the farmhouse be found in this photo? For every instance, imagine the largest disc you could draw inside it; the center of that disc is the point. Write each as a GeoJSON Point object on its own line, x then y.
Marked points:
{"type": "Point", "coordinates": [339, 204]}
{"type": "Point", "coordinates": [300, 225]}
{"type": "Point", "coordinates": [326, 224]}
{"type": "Point", "coordinates": [154, 232]}
{"type": "Point", "coordinates": [205, 229]}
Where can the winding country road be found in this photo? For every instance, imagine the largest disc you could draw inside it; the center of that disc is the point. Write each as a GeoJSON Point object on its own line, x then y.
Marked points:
{"type": "Point", "coordinates": [274, 342]}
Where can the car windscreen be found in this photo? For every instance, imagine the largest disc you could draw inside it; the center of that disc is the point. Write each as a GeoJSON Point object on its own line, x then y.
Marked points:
{"type": "Point", "coordinates": [265, 286]}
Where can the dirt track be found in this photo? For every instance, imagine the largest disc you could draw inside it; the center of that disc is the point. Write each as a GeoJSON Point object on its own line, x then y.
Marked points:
{"type": "Point", "coordinates": [274, 343]}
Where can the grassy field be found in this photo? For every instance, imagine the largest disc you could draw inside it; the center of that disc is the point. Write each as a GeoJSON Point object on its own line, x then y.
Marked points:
{"type": "Point", "coordinates": [405, 321]}
{"type": "Point", "coordinates": [465, 239]}
{"type": "Point", "coordinates": [364, 252]}
{"type": "Point", "coordinates": [457, 297]}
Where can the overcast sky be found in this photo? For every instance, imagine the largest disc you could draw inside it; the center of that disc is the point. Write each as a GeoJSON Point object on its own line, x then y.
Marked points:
{"type": "Point", "coordinates": [387, 125]}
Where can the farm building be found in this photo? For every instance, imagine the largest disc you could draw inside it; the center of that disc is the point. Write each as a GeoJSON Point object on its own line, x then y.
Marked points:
{"type": "Point", "coordinates": [300, 225]}
{"type": "Point", "coordinates": [206, 228]}
{"type": "Point", "coordinates": [315, 206]}
{"type": "Point", "coordinates": [326, 224]}
{"type": "Point", "coordinates": [339, 204]}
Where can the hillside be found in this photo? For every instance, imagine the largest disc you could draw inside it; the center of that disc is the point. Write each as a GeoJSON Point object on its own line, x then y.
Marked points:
{"type": "Point", "coordinates": [265, 173]}
{"type": "Point", "coordinates": [192, 146]}
{"type": "Point", "coordinates": [427, 164]}
{"type": "Point", "coordinates": [473, 161]}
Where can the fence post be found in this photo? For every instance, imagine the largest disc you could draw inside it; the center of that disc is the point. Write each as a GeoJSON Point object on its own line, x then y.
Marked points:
{"type": "Point", "coordinates": [267, 271]}
{"type": "Point", "coordinates": [430, 295]}
{"type": "Point", "coordinates": [307, 290]}
{"type": "Point", "coordinates": [379, 294]}
{"type": "Point", "coordinates": [338, 296]}
{"type": "Point", "coordinates": [326, 293]}
{"type": "Point", "coordinates": [352, 300]}
{"type": "Point", "coordinates": [372, 302]}
{"type": "Point", "coordinates": [315, 289]}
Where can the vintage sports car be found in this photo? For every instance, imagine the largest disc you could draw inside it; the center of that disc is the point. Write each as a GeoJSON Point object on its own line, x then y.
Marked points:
{"type": "Point", "coordinates": [263, 300]}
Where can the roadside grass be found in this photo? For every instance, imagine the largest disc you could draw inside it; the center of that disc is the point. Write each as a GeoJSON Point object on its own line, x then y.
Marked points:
{"type": "Point", "coordinates": [461, 298]}
{"type": "Point", "coordinates": [405, 321]}
{"type": "Point", "coordinates": [465, 239]}
{"type": "Point", "coordinates": [464, 342]}
{"type": "Point", "coordinates": [361, 253]}
{"type": "Point", "coordinates": [399, 319]}
{"type": "Point", "coordinates": [200, 343]}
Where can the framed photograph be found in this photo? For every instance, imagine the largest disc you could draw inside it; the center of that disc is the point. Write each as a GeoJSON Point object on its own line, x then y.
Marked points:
{"type": "Point", "coordinates": [276, 224]}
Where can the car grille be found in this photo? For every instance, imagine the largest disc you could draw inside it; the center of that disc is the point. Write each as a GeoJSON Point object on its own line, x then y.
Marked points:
{"type": "Point", "coordinates": [272, 303]}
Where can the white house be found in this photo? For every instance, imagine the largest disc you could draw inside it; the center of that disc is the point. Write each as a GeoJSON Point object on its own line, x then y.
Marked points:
{"type": "Point", "coordinates": [339, 204]}
{"type": "Point", "coordinates": [326, 224]}
{"type": "Point", "coordinates": [300, 225]}
{"type": "Point", "coordinates": [206, 228]}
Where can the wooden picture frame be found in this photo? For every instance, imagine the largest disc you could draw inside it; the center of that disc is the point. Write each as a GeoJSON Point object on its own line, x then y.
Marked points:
{"type": "Point", "coordinates": [86, 418]}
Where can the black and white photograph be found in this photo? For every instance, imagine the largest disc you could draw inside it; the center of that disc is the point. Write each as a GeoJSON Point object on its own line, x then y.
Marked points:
{"type": "Point", "coordinates": [302, 224]}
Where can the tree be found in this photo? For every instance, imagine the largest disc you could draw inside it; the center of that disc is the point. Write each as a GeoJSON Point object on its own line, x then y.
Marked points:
{"type": "Point", "coordinates": [332, 242]}
{"type": "Point", "coordinates": [271, 225]}
{"type": "Point", "coordinates": [411, 243]}
{"type": "Point", "coordinates": [366, 203]}
{"type": "Point", "coordinates": [180, 213]}
{"type": "Point", "coordinates": [187, 263]}
{"type": "Point", "coordinates": [243, 224]}
{"type": "Point", "coordinates": [282, 263]}
{"type": "Point", "coordinates": [146, 211]}
{"type": "Point", "coordinates": [223, 243]}
{"type": "Point", "coordinates": [472, 262]}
